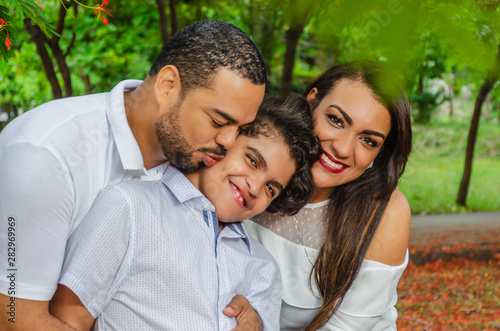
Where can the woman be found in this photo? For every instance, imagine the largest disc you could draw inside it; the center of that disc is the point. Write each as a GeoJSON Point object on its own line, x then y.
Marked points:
{"type": "Point", "coordinates": [342, 255]}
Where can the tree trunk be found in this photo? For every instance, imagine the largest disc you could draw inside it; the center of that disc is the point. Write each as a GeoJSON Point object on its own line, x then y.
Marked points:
{"type": "Point", "coordinates": [292, 40]}
{"type": "Point", "coordinates": [86, 81]}
{"type": "Point", "coordinates": [450, 88]}
{"type": "Point", "coordinates": [58, 53]}
{"type": "Point", "coordinates": [163, 20]}
{"type": "Point", "coordinates": [300, 12]}
{"type": "Point", "coordinates": [488, 84]}
{"type": "Point", "coordinates": [174, 23]}
{"type": "Point", "coordinates": [39, 39]}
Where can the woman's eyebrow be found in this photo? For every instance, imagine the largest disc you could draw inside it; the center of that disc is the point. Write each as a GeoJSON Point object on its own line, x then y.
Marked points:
{"type": "Point", "coordinates": [374, 133]}
{"type": "Point", "coordinates": [347, 118]}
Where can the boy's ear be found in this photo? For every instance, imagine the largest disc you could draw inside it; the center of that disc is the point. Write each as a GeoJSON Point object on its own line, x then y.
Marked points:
{"type": "Point", "coordinates": [167, 86]}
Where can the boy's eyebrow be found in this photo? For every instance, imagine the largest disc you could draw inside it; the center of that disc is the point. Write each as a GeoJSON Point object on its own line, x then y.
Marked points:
{"type": "Point", "coordinates": [263, 163]}
{"type": "Point", "coordinates": [259, 156]}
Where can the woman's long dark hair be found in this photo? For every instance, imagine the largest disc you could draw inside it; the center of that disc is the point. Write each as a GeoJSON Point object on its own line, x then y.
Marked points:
{"type": "Point", "coordinates": [355, 208]}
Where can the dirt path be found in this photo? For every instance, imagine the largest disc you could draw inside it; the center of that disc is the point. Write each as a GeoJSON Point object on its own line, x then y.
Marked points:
{"type": "Point", "coordinates": [471, 235]}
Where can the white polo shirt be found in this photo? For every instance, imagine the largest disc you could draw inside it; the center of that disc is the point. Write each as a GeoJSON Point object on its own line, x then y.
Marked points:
{"type": "Point", "coordinates": [54, 160]}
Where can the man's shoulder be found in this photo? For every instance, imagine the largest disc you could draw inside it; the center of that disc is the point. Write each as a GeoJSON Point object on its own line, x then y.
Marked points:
{"type": "Point", "coordinates": [56, 116]}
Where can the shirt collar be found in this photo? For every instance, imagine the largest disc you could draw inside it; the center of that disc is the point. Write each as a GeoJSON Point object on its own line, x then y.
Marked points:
{"type": "Point", "coordinates": [182, 188]}
{"type": "Point", "coordinates": [237, 230]}
{"type": "Point", "coordinates": [128, 149]}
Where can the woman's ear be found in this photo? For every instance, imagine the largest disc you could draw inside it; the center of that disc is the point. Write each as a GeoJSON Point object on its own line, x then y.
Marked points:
{"type": "Point", "coordinates": [311, 96]}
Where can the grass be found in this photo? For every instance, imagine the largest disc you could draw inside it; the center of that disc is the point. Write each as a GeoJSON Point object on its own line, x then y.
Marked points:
{"type": "Point", "coordinates": [433, 174]}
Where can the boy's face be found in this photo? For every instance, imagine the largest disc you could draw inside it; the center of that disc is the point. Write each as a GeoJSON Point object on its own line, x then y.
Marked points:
{"type": "Point", "coordinates": [253, 173]}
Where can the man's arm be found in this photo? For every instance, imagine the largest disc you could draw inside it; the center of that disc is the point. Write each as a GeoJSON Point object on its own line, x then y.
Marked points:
{"type": "Point", "coordinates": [66, 306]}
{"type": "Point", "coordinates": [246, 317]}
{"type": "Point", "coordinates": [36, 204]}
{"type": "Point", "coordinates": [27, 315]}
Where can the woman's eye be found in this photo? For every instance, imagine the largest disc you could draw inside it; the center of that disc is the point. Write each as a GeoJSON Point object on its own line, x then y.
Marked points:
{"type": "Point", "coordinates": [336, 120]}
{"type": "Point", "coordinates": [271, 190]}
{"type": "Point", "coordinates": [370, 141]}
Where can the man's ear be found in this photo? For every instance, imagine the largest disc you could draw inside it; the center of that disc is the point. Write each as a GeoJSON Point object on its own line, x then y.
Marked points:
{"type": "Point", "coordinates": [167, 86]}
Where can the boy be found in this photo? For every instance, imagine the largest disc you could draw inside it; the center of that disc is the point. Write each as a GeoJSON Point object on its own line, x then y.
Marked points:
{"type": "Point", "coordinates": [176, 252]}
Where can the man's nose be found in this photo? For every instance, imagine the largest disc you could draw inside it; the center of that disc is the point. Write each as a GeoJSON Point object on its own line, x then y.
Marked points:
{"type": "Point", "coordinates": [226, 136]}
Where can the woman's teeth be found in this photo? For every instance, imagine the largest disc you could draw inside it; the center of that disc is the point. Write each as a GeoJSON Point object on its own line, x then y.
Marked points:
{"type": "Point", "coordinates": [331, 163]}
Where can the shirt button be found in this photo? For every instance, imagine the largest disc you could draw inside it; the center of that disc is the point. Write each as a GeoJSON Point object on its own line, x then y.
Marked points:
{"type": "Point", "coordinates": [226, 326]}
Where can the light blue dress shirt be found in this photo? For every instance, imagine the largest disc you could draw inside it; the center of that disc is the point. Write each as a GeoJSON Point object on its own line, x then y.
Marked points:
{"type": "Point", "coordinates": [148, 256]}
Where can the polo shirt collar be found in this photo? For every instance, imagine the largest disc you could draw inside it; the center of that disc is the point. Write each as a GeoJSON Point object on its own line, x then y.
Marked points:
{"type": "Point", "coordinates": [128, 149]}
{"type": "Point", "coordinates": [239, 231]}
{"type": "Point", "coordinates": [182, 188]}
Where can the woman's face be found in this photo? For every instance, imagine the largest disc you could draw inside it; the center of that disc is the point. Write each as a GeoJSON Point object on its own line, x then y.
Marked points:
{"type": "Point", "coordinates": [352, 126]}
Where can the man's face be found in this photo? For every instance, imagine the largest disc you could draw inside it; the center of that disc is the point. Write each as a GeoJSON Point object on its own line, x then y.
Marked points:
{"type": "Point", "coordinates": [253, 173]}
{"type": "Point", "coordinates": [197, 130]}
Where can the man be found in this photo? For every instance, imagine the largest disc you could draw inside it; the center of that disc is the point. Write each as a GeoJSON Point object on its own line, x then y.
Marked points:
{"type": "Point", "coordinates": [207, 83]}
{"type": "Point", "coordinates": [173, 253]}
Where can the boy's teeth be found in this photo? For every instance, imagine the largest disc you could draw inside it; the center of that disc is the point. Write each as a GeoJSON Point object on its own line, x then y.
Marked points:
{"type": "Point", "coordinates": [239, 196]}
{"type": "Point", "coordinates": [331, 163]}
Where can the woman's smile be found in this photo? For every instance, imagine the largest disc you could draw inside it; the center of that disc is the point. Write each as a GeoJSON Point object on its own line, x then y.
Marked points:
{"type": "Point", "coordinates": [330, 164]}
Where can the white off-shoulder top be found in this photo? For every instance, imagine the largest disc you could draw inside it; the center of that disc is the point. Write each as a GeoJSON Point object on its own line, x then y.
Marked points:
{"type": "Point", "coordinates": [369, 303]}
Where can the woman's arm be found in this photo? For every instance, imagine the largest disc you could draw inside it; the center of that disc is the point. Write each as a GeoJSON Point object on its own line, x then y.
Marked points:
{"type": "Point", "coordinates": [390, 242]}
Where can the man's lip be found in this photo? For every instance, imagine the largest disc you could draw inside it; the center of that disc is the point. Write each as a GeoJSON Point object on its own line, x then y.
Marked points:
{"type": "Point", "coordinates": [211, 159]}
{"type": "Point", "coordinates": [328, 166]}
{"type": "Point", "coordinates": [237, 193]}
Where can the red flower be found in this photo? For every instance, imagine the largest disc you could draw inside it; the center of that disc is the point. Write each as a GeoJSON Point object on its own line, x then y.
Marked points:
{"type": "Point", "coordinates": [100, 8]}
{"type": "Point", "coordinates": [3, 24]}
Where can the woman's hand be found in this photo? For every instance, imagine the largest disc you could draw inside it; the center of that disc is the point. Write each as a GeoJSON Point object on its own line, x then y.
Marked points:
{"type": "Point", "coordinates": [246, 317]}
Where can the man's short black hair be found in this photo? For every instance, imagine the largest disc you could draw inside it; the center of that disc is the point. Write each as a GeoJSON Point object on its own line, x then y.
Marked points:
{"type": "Point", "coordinates": [290, 120]}
{"type": "Point", "coordinates": [201, 49]}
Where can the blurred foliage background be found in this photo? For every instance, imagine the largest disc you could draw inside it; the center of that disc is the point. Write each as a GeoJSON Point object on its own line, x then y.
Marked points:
{"type": "Point", "coordinates": [446, 52]}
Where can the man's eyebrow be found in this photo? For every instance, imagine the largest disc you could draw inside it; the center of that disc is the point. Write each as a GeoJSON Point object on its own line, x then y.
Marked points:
{"type": "Point", "coordinates": [226, 116]}
{"type": "Point", "coordinates": [347, 117]}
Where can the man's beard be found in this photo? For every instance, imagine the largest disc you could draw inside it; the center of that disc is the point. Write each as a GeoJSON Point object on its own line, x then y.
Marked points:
{"type": "Point", "coordinates": [174, 144]}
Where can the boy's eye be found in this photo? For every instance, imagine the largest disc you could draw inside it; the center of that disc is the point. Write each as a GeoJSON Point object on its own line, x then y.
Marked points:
{"type": "Point", "coordinates": [252, 160]}
{"type": "Point", "coordinates": [335, 120]}
{"type": "Point", "coordinates": [271, 190]}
